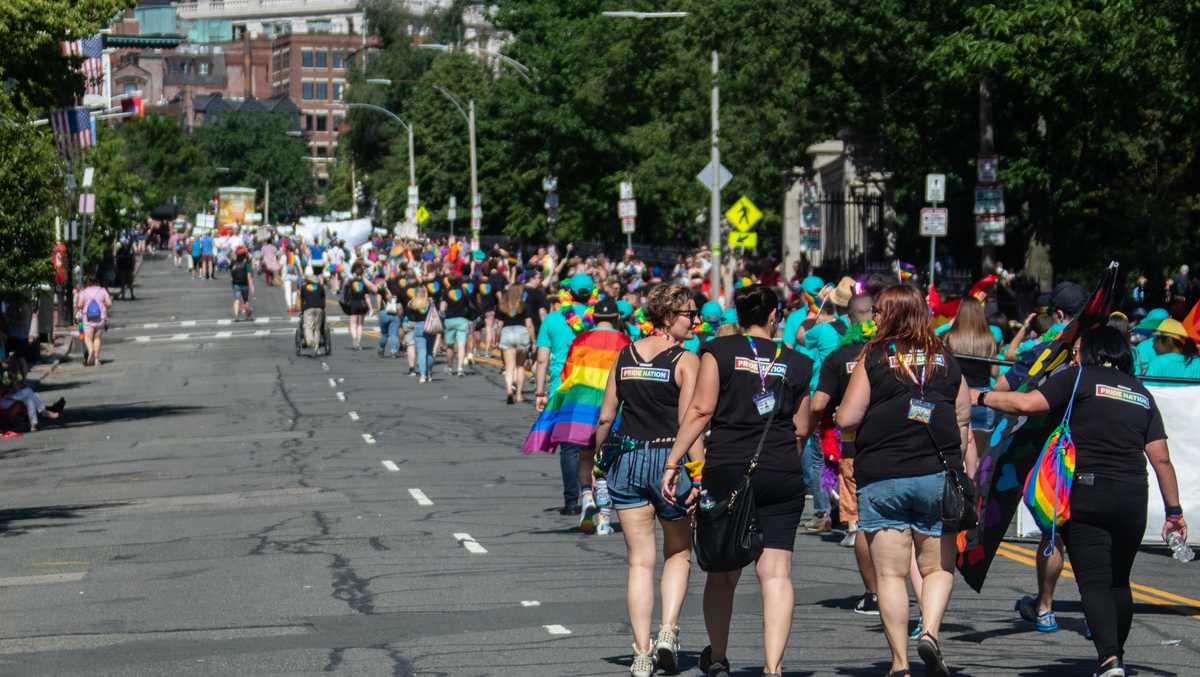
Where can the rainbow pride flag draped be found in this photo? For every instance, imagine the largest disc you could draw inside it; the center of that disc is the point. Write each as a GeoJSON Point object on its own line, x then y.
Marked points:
{"type": "Point", "coordinates": [571, 413]}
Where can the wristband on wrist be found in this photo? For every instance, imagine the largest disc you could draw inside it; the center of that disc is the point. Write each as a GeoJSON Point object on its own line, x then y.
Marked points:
{"type": "Point", "coordinates": [979, 399]}
{"type": "Point", "coordinates": [1174, 511]}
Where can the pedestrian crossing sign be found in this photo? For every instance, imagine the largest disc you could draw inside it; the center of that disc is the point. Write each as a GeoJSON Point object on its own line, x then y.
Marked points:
{"type": "Point", "coordinates": [422, 214]}
{"type": "Point", "coordinates": [744, 240]}
{"type": "Point", "coordinates": [743, 215]}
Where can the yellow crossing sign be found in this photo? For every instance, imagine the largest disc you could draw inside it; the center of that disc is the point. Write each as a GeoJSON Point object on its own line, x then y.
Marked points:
{"type": "Point", "coordinates": [422, 214]}
{"type": "Point", "coordinates": [743, 214]}
{"type": "Point", "coordinates": [747, 240]}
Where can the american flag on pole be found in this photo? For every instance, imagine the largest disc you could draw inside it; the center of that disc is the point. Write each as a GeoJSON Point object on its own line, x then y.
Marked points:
{"type": "Point", "coordinates": [83, 128]}
{"type": "Point", "coordinates": [91, 50]}
{"type": "Point", "coordinates": [61, 127]}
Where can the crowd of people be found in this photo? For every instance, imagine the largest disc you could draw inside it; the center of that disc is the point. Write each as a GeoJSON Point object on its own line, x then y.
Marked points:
{"type": "Point", "coordinates": [664, 401]}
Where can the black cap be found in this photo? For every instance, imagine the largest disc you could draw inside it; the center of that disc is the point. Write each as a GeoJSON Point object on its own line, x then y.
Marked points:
{"type": "Point", "coordinates": [1069, 298]}
{"type": "Point", "coordinates": [607, 308]}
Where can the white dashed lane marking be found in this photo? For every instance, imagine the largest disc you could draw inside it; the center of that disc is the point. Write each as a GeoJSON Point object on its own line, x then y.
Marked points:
{"type": "Point", "coordinates": [179, 337]}
{"type": "Point", "coordinates": [263, 332]}
{"type": "Point", "coordinates": [188, 323]}
{"type": "Point", "coordinates": [368, 438]}
{"type": "Point", "coordinates": [224, 322]}
{"type": "Point", "coordinates": [325, 366]}
{"type": "Point", "coordinates": [223, 334]}
{"type": "Point", "coordinates": [332, 383]}
{"type": "Point", "coordinates": [420, 497]}
{"type": "Point", "coordinates": [556, 629]}
{"type": "Point", "coordinates": [353, 415]}
{"type": "Point", "coordinates": [470, 543]}
{"type": "Point", "coordinates": [530, 602]}
{"type": "Point", "coordinates": [143, 339]}
{"type": "Point", "coordinates": [391, 466]}
{"type": "Point", "coordinates": [341, 396]}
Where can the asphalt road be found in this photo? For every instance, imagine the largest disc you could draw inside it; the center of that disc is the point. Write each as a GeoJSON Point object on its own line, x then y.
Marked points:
{"type": "Point", "coordinates": [214, 505]}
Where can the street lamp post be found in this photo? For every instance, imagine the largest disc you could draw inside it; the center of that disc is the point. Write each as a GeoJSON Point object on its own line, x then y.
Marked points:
{"type": "Point", "coordinates": [412, 167]}
{"type": "Point", "coordinates": [714, 208]}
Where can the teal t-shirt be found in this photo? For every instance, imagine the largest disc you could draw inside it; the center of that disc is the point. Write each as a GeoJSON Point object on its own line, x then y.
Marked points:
{"type": "Point", "coordinates": [1172, 365]}
{"type": "Point", "coordinates": [792, 325]}
{"type": "Point", "coordinates": [556, 335]}
{"type": "Point", "coordinates": [819, 342]}
{"type": "Point", "coordinates": [1143, 355]}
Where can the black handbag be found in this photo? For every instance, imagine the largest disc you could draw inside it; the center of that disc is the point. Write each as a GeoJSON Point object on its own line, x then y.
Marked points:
{"type": "Point", "coordinates": [726, 536]}
{"type": "Point", "coordinates": [960, 507]}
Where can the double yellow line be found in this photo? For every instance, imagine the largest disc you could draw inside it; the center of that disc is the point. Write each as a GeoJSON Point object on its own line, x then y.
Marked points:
{"type": "Point", "coordinates": [1142, 593]}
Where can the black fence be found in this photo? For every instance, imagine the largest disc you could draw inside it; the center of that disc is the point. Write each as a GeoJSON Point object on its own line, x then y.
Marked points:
{"type": "Point", "coordinates": [855, 230]}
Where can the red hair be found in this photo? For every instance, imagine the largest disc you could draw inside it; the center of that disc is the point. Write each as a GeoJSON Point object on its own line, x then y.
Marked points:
{"type": "Point", "coordinates": [903, 319]}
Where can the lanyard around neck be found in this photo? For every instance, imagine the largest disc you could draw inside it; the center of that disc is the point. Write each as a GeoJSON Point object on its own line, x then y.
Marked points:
{"type": "Point", "coordinates": [903, 360]}
{"type": "Point", "coordinates": [763, 373]}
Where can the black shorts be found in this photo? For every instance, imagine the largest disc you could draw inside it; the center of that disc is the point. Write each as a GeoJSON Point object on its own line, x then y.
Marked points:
{"type": "Point", "coordinates": [779, 497]}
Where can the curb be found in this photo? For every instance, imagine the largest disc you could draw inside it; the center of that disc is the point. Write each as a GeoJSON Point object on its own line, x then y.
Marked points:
{"type": "Point", "coordinates": [60, 352]}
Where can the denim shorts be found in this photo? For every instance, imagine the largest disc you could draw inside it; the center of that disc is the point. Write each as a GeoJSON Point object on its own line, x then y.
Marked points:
{"type": "Point", "coordinates": [635, 476]}
{"type": "Point", "coordinates": [515, 337]}
{"type": "Point", "coordinates": [902, 503]}
{"type": "Point", "coordinates": [983, 419]}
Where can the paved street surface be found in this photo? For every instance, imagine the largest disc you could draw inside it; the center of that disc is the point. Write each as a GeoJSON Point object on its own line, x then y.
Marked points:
{"type": "Point", "coordinates": [215, 505]}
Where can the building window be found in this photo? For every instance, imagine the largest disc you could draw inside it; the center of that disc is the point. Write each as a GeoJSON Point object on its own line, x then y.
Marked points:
{"type": "Point", "coordinates": [322, 151]}
{"type": "Point", "coordinates": [338, 119]}
{"type": "Point", "coordinates": [322, 58]}
{"type": "Point", "coordinates": [308, 122]}
{"type": "Point", "coordinates": [203, 67]}
{"type": "Point", "coordinates": [306, 58]}
{"type": "Point", "coordinates": [319, 25]}
{"type": "Point", "coordinates": [307, 91]}
{"type": "Point", "coordinates": [322, 123]}
{"type": "Point", "coordinates": [338, 89]}
{"type": "Point", "coordinates": [130, 89]}
{"type": "Point", "coordinates": [322, 91]}
{"type": "Point", "coordinates": [339, 60]}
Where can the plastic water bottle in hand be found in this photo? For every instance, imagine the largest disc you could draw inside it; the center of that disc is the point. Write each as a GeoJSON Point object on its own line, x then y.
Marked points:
{"type": "Point", "coordinates": [1180, 550]}
{"type": "Point", "coordinates": [604, 502]}
{"type": "Point", "coordinates": [706, 501]}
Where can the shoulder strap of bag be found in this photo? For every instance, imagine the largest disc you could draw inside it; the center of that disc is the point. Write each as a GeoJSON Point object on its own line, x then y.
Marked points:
{"type": "Point", "coordinates": [1071, 403]}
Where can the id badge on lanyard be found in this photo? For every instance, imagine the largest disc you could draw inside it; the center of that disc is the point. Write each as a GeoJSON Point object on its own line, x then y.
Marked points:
{"type": "Point", "coordinates": [764, 401]}
{"type": "Point", "coordinates": [919, 409]}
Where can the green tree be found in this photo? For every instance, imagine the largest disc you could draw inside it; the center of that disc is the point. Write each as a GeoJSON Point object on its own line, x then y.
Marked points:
{"type": "Point", "coordinates": [169, 162]}
{"type": "Point", "coordinates": [251, 149]}
{"type": "Point", "coordinates": [31, 195]}
{"type": "Point", "coordinates": [121, 200]}
{"type": "Point", "coordinates": [38, 76]}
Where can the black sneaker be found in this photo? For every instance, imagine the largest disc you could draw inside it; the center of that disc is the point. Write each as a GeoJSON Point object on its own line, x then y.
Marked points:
{"type": "Point", "coordinates": [868, 605]}
{"type": "Point", "coordinates": [1114, 669]}
{"type": "Point", "coordinates": [709, 667]}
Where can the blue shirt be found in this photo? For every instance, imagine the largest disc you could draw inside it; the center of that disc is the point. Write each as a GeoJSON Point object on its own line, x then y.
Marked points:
{"type": "Point", "coordinates": [196, 247]}
{"type": "Point", "coordinates": [556, 335]}
{"type": "Point", "coordinates": [206, 245]}
{"type": "Point", "coordinates": [1172, 365]}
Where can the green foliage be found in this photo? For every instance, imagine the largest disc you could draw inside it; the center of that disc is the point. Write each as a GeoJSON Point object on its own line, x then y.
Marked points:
{"type": "Point", "coordinates": [121, 195]}
{"type": "Point", "coordinates": [31, 61]}
{"type": "Point", "coordinates": [250, 149]}
{"type": "Point", "coordinates": [31, 194]}
{"type": "Point", "coordinates": [169, 162]}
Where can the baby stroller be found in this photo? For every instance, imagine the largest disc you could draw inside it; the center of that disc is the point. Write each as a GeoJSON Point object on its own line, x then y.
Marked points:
{"type": "Point", "coordinates": [324, 341]}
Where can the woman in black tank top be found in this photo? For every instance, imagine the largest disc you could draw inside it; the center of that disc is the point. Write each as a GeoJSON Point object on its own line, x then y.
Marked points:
{"type": "Point", "coordinates": [651, 383]}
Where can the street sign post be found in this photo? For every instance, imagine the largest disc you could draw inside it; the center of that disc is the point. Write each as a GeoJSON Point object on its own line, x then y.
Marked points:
{"type": "Point", "coordinates": [745, 240]}
{"type": "Point", "coordinates": [629, 227]}
{"type": "Point", "coordinates": [627, 211]}
{"type": "Point", "coordinates": [935, 188]}
{"type": "Point", "coordinates": [743, 214]}
{"type": "Point", "coordinates": [706, 176]}
{"type": "Point", "coordinates": [626, 190]}
{"type": "Point", "coordinates": [935, 222]}
{"type": "Point", "coordinates": [422, 215]}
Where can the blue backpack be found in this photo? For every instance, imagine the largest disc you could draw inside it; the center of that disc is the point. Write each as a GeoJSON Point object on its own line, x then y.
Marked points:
{"type": "Point", "coordinates": [94, 312]}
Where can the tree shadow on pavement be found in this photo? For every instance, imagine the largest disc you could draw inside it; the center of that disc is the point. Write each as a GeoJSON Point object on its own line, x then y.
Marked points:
{"type": "Point", "coordinates": [44, 387]}
{"type": "Point", "coordinates": [874, 670]}
{"type": "Point", "coordinates": [76, 417]}
{"type": "Point", "coordinates": [1069, 667]}
{"type": "Point", "coordinates": [10, 518]}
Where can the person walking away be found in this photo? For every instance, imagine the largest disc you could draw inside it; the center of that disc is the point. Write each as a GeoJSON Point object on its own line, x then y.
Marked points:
{"type": "Point", "coordinates": [743, 378]}
{"type": "Point", "coordinates": [1175, 355]}
{"type": "Point", "coordinates": [358, 302]}
{"type": "Point", "coordinates": [652, 384]}
{"type": "Point", "coordinates": [292, 273]}
{"type": "Point", "coordinates": [206, 255]}
{"type": "Point", "coordinates": [270, 262]}
{"type": "Point", "coordinates": [972, 337]}
{"type": "Point", "coordinates": [391, 293]}
{"type": "Point", "coordinates": [456, 311]}
{"type": "Point", "coordinates": [241, 276]}
{"type": "Point", "coordinates": [312, 311]}
{"type": "Point", "coordinates": [1066, 302]}
{"type": "Point", "coordinates": [415, 312]}
{"type": "Point", "coordinates": [196, 266]}
{"type": "Point", "coordinates": [335, 263]}
{"type": "Point", "coordinates": [515, 339]}
{"type": "Point", "coordinates": [831, 388]}
{"type": "Point", "coordinates": [92, 304]}
{"type": "Point", "coordinates": [554, 338]}
{"type": "Point", "coordinates": [1116, 426]}
{"type": "Point", "coordinates": [911, 406]}
{"type": "Point", "coordinates": [126, 262]}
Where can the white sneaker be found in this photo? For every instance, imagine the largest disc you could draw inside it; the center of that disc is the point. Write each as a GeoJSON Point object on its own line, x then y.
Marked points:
{"type": "Point", "coordinates": [643, 663]}
{"type": "Point", "coordinates": [666, 647]}
{"type": "Point", "coordinates": [422, 380]}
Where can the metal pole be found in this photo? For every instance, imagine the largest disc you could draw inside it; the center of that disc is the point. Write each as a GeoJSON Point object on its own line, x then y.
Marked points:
{"type": "Point", "coordinates": [629, 240]}
{"type": "Point", "coordinates": [714, 232]}
{"type": "Point", "coordinates": [474, 174]}
{"type": "Point", "coordinates": [266, 219]}
{"type": "Point", "coordinates": [932, 254]}
{"type": "Point", "coordinates": [412, 167]}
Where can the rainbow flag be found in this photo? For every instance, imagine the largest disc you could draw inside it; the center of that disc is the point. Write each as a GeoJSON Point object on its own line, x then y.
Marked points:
{"type": "Point", "coordinates": [906, 269]}
{"type": "Point", "coordinates": [1048, 488]}
{"type": "Point", "coordinates": [571, 414]}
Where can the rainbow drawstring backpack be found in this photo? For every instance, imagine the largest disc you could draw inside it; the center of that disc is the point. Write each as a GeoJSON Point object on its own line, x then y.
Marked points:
{"type": "Point", "coordinates": [1047, 491]}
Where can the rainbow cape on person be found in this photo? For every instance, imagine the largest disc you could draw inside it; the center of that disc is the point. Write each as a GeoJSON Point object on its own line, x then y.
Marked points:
{"type": "Point", "coordinates": [571, 413]}
{"type": "Point", "coordinates": [1017, 441]}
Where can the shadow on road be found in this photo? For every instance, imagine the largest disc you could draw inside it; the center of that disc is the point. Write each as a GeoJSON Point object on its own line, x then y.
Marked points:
{"type": "Point", "coordinates": [76, 417]}
{"type": "Point", "coordinates": [10, 518]}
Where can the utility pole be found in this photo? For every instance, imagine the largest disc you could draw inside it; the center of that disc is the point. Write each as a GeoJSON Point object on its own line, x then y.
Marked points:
{"type": "Point", "coordinates": [714, 209]}
{"type": "Point", "coordinates": [266, 217]}
{"type": "Point", "coordinates": [987, 146]}
{"type": "Point", "coordinates": [475, 203]}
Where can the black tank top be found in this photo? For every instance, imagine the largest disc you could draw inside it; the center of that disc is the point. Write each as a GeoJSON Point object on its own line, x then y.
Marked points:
{"type": "Point", "coordinates": [649, 394]}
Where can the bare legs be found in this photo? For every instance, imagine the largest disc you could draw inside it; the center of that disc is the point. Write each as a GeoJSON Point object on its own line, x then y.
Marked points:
{"type": "Point", "coordinates": [1049, 569]}
{"type": "Point", "coordinates": [356, 330]}
{"type": "Point", "coordinates": [892, 553]}
{"type": "Point", "coordinates": [774, 576]}
{"type": "Point", "coordinates": [637, 524]}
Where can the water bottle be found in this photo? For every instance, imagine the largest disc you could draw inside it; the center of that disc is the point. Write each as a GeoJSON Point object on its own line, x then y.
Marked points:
{"type": "Point", "coordinates": [1180, 550]}
{"type": "Point", "coordinates": [601, 490]}
{"type": "Point", "coordinates": [706, 501]}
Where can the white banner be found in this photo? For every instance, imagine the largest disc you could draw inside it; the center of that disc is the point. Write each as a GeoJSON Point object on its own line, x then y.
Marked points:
{"type": "Point", "coordinates": [1181, 416]}
{"type": "Point", "coordinates": [354, 232]}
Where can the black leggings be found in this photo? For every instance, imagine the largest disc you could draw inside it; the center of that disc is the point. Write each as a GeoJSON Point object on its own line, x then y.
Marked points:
{"type": "Point", "coordinates": [1107, 522]}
